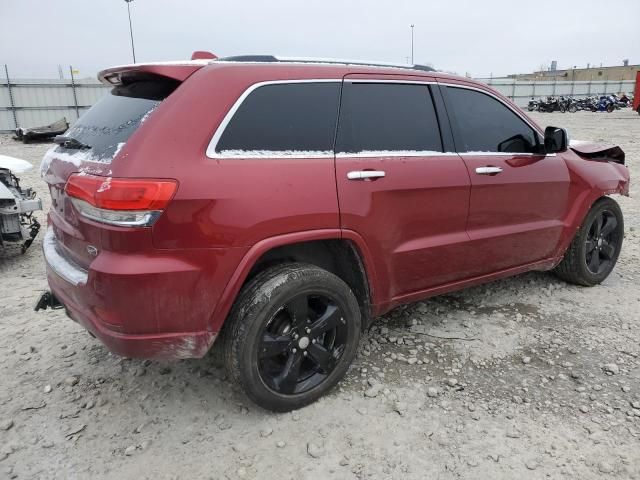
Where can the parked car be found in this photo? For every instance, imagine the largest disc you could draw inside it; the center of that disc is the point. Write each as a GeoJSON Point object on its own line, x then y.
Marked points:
{"type": "Point", "coordinates": [18, 225]}
{"type": "Point", "coordinates": [41, 133]}
{"type": "Point", "coordinates": [281, 205]}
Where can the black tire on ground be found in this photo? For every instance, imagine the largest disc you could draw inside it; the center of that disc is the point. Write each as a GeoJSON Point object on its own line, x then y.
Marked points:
{"type": "Point", "coordinates": [573, 109]}
{"type": "Point", "coordinates": [282, 358]}
{"type": "Point", "coordinates": [638, 110]}
{"type": "Point", "coordinates": [595, 249]}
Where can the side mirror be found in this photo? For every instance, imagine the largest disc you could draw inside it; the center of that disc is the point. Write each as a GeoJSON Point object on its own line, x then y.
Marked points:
{"type": "Point", "coordinates": [555, 139]}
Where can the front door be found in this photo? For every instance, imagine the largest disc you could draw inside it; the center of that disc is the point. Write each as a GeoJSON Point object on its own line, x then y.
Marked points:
{"type": "Point", "coordinates": [519, 195]}
{"type": "Point", "coordinates": [396, 186]}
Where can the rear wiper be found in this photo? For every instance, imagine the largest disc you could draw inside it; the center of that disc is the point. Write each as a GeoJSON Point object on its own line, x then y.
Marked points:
{"type": "Point", "coordinates": [70, 142]}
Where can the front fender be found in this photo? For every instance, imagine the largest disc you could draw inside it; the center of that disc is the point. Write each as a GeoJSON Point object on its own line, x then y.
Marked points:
{"type": "Point", "coordinates": [590, 181]}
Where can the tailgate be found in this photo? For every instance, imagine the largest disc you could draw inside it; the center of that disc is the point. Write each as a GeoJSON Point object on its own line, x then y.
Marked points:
{"type": "Point", "coordinates": [89, 147]}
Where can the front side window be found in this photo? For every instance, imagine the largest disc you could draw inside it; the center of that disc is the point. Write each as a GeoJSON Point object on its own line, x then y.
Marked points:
{"type": "Point", "coordinates": [387, 117]}
{"type": "Point", "coordinates": [284, 119]}
{"type": "Point", "coordinates": [484, 124]}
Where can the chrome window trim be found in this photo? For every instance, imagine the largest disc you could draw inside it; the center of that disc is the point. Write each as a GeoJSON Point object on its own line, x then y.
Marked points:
{"type": "Point", "coordinates": [256, 155]}
{"type": "Point", "coordinates": [211, 148]}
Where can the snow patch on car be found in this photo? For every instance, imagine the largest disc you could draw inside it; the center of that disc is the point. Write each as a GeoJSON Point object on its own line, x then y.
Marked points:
{"type": "Point", "coordinates": [76, 158]}
{"type": "Point", "coordinates": [104, 186]}
{"type": "Point", "coordinates": [574, 143]}
{"type": "Point", "coordinates": [121, 144]}
{"type": "Point", "coordinates": [274, 153]}
{"type": "Point", "coordinates": [66, 269]}
{"type": "Point", "coordinates": [392, 153]}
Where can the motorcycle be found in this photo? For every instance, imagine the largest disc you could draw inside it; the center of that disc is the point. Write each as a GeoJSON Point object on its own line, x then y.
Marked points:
{"type": "Point", "coordinates": [552, 104]}
{"type": "Point", "coordinates": [533, 105]}
{"type": "Point", "coordinates": [606, 104]}
{"type": "Point", "coordinates": [573, 105]}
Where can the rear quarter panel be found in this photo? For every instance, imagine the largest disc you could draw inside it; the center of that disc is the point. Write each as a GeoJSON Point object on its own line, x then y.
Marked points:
{"type": "Point", "coordinates": [224, 202]}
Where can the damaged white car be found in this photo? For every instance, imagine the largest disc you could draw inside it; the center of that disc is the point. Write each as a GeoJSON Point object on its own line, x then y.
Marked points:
{"type": "Point", "coordinates": [17, 204]}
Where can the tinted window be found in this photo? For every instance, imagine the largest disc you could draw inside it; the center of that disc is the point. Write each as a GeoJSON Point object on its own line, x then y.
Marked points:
{"type": "Point", "coordinates": [114, 118]}
{"type": "Point", "coordinates": [483, 124]}
{"type": "Point", "coordinates": [284, 117]}
{"type": "Point", "coordinates": [387, 116]}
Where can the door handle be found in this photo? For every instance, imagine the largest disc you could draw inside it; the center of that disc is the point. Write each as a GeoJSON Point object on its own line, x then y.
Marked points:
{"type": "Point", "coordinates": [365, 174]}
{"type": "Point", "coordinates": [489, 170]}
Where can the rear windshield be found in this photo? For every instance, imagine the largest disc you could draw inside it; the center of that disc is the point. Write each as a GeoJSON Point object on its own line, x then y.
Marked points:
{"type": "Point", "coordinates": [107, 125]}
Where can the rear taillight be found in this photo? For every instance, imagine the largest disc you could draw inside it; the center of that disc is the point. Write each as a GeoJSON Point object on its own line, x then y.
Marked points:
{"type": "Point", "coordinates": [126, 202]}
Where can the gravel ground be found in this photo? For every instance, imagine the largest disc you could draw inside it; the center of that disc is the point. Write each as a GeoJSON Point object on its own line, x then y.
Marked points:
{"type": "Point", "coordinates": [536, 378]}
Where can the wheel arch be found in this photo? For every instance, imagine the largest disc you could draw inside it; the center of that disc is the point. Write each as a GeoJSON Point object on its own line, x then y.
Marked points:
{"type": "Point", "coordinates": [329, 249]}
{"type": "Point", "coordinates": [583, 208]}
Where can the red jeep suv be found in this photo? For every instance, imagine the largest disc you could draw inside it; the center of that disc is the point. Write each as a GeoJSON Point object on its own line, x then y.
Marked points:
{"type": "Point", "coordinates": [282, 204]}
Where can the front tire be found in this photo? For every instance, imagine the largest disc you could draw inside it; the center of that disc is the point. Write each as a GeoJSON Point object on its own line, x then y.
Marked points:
{"type": "Point", "coordinates": [291, 335]}
{"type": "Point", "coordinates": [595, 249]}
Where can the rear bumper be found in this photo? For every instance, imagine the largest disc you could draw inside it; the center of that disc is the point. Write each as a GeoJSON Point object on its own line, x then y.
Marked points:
{"type": "Point", "coordinates": [139, 306]}
{"type": "Point", "coordinates": [166, 346]}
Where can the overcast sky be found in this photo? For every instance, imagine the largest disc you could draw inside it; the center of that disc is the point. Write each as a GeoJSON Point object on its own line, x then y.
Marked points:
{"type": "Point", "coordinates": [480, 37]}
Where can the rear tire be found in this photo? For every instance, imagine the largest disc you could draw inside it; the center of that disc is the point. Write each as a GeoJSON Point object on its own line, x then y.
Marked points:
{"type": "Point", "coordinates": [595, 249]}
{"type": "Point", "coordinates": [291, 335]}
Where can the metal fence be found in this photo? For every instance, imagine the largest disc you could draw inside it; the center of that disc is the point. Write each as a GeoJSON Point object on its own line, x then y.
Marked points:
{"type": "Point", "coordinates": [38, 102]}
{"type": "Point", "coordinates": [521, 91]}
{"type": "Point", "coordinates": [33, 103]}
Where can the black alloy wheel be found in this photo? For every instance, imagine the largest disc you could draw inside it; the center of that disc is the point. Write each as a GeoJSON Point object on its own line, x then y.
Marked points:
{"type": "Point", "coordinates": [602, 242]}
{"type": "Point", "coordinates": [291, 335]}
{"type": "Point", "coordinates": [302, 343]}
{"type": "Point", "coordinates": [594, 251]}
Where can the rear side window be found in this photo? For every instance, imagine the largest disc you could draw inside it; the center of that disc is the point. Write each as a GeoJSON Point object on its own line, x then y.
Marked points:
{"type": "Point", "coordinates": [114, 118]}
{"type": "Point", "coordinates": [285, 118]}
{"type": "Point", "coordinates": [484, 124]}
{"type": "Point", "coordinates": [382, 117]}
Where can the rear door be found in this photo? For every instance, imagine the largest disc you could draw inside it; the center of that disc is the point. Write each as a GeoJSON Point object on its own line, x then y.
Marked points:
{"type": "Point", "coordinates": [397, 186]}
{"type": "Point", "coordinates": [519, 194]}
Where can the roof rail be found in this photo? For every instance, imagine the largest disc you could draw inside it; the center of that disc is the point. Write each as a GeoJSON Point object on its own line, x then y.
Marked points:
{"type": "Point", "coordinates": [332, 61]}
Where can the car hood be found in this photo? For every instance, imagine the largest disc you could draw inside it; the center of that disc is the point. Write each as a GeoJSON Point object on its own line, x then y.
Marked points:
{"type": "Point", "coordinates": [597, 151]}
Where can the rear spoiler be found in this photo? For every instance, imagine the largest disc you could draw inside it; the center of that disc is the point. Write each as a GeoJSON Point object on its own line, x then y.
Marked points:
{"type": "Point", "coordinates": [598, 152]}
{"type": "Point", "coordinates": [179, 71]}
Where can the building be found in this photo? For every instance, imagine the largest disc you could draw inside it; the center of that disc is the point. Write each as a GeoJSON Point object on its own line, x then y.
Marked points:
{"type": "Point", "coordinates": [614, 73]}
